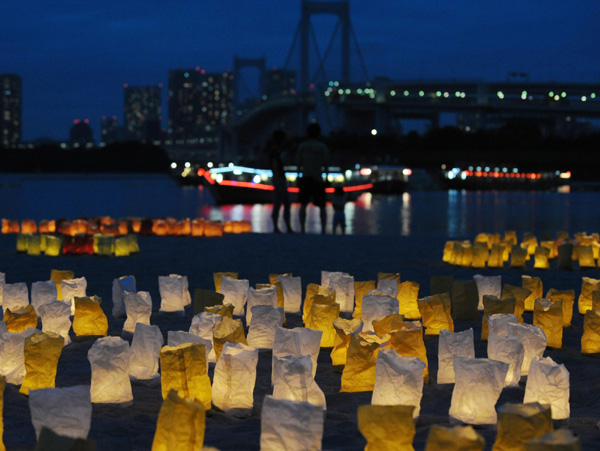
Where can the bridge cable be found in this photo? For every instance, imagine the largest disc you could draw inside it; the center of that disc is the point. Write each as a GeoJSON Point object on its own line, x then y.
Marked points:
{"type": "Point", "coordinates": [291, 50]}
{"type": "Point", "coordinates": [326, 54]}
{"type": "Point", "coordinates": [360, 57]}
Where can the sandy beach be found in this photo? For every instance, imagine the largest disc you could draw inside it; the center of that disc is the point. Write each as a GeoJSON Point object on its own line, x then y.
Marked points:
{"type": "Point", "coordinates": [254, 257]}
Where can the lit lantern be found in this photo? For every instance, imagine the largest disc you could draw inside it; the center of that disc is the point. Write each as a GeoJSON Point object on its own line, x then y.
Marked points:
{"type": "Point", "coordinates": [508, 350]}
{"type": "Point", "coordinates": [457, 438]}
{"type": "Point", "coordinates": [66, 411]}
{"type": "Point", "coordinates": [388, 324]}
{"type": "Point", "coordinates": [28, 226]}
{"type": "Point", "coordinates": [520, 423]}
{"type": "Point", "coordinates": [344, 328]}
{"type": "Point", "coordinates": [292, 292]}
{"type": "Point", "coordinates": [586, 257]}
{"type": "Point", "coordinates": [407, 340]}
{"type": "Point", "coordinates": [398, 380]}
{"type": "Point", "coordinates": [595, 300]}
{"type": "Point", "coordinates": [588, 285]}
{"type": "Point", "coordinates": [465, 300]}
{"type": "Point", "coordinates": [119, 286]}
{"type": "Point", "coordinates": [322, 315]}
{"type": "Point", "coordinates": [136, 224]}
{"type": "Point", "coordinates": [218, 277]}
{"type": "Point", "coordinates": [548, 383]}
{"type": "Point", "coordinates": [53, 246]}
{"type": "Point", "coordinates": [518, 257]}
{"type": "Point", "coordinates": [221, 310]}
{"type": "Point", "coordinates": [181, 424]}
{"type": "Point", "coordinates": [294, 380]}
{"type": "Point", "coordinates": [388, 281]}
{"type": "Point", "coordinates": [104, 244]}
{"type": "Point", "coordinates": [56, 318]}
{"type": "Point", "coordinates": [23, 242]}
{"type": "Point", "coordinates": [202, 325]}
{"type": "Point", "coordinates": [568, 301]}
{"type": "Point", "coordinates": [20, 319]}
{"type": "Point", "coordinates": [435, 311]}
{"type": "Point", "coordinates": [520, 294]}
{"type": "Point", "coordinates": [496, 257]}
{"type": "Point", "coordinates": [138, 307]}
{"type": "Point", "coordinates": [590, 340]}
{"type": "Point", "coordinates": [12, 358]}
{"type": "Point", "coordinates": [541, 257]}
{"type": "Point", "coordinates": [109, 360]}
{"type": "Point", "coordinates": [498, 323]}
{"type": "Point", "coordinates": [490, 285]}
{"type": "Point", "coordinates": [453, 344]}
{"type": "Point", "coordinates": [478, 385]}
{"type": "Point", "coordinates": [2, 387]}
{"type": "Point", "coordinates": [408, 294]}
{"type": "Point", "coordinates": [197, 227]}
{"type": "Point", "coordinates": [122, 246]}
{"type": "Point", "coordinates": [562, 235]}
{"type": "Point", "coordinates": [234, 380]}
{"type": "Point", "coordinates": [558, 440]}
{"type": "Point", "coordinates": [552, 247]}
{"type": "Point", "coordinates": [160, 227]}
{"type": "Point", "coordinates": [533, 340]}
{"type": "Point", "coordinates": [548, 315]}
{"type": "Point", "coordinates": [43, 293]}
{"type": "Point", "coordinates": [213, 229]}
{"type": "Point", "coordinates": [262, 296]}
{"type": "Point", "coordinates": [343, 284]}
{"type": "Point", "coordinates": [466, 254]}
{"type": "Point", "coordinates": [89, 319]}
{"type": "Point", "coordinates": [387, 428]}
{"type": "Point", "coordinates": [58, 276]}
{"type": "Point", "coordinates": [236, 293]}
{"type": "Point", "coordinates": [15, 296]}
{"type": "Point", "coordinates": [10, 226]}
{"type": "Point", "coordinates": [144, 352]}
{"type": "Point", "coordinates": [132, 243]}
{"type": "Point", "coordinates": [529, 243]}
{"type": "Point", "coordinates": [34, 245]}
{"type": "Point", "coordinates": [494, 305]}
{"type": "Point", "coordinates": [481, 254]}
{"type": "Point", "coordinates": [361, 359]}
{"type": "Point", "coordinates": [172, 291]}
{"type": "Point", "coordinates": [290, 425]}
{"type": "Point", "coordinates": [265, 321]}
{"type": "Point", "coordinates": [448, 249]}
{"type": "Point", "coordinates": [535, 285]}
{"type": "Point", "coordinates": [41, 354]}
{"type": "Point", "coordinates": [376, 306]}
{"type": "Point", "coordinates": [298, 341]}
{"type": "Point", "coordinates": [313, 290]}
{"type": "Point", "coordinates": [361, 288]}
{"type": "Point", "coordinates": [227, 330]}
{"type": "Point", "coordinates": [72, 288]}
{"type": "Point", "coordinates": [179, 337]}
{"type": "Point", "coordinates": [2, 283]}
{"type": "Point", "coordinates": [565, 256]}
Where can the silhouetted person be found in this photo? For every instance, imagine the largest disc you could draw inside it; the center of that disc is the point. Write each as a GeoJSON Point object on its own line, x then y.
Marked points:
{"type": "Point", "coordinates": [313, 157]}
{"type": "Point", "coordinates": [275, 147]}
{"type": "Point", "coordinates": [338, 201]}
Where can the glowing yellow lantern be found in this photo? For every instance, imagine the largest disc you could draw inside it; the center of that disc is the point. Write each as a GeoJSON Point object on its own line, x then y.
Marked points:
{"type": "Point", "coordinates": [387, 428]}
{"type": "Point", "coordinates": [72, 288]}
{"type": "Point", "coordinates": [496, 258]}
{"type": "Point", "coordinates": [15, 296]}
{"type": "Point", "coordinates": [457, 438]}
{"type": "Point", "coordinates": [262, 296]}
{"type": "Point", "coordinates": [483, 238]}
{"type": "Point", "coordinates": [53, 246]}
{"type": "Point", "coordinates": [359, 372]}
{"type": "Point", "coordinates": [58, 276]}
{"type": "Point", "coordinates": [435, 311]}
{"type": "Point", "coordinates": [408, 294]}
{"type": "Point", "coordinates": [481, 254]}
{"type": "Point", "coordinates": [181, 424]}
{"type": "Point", "coordinates": [135, 224]}
{"type": "Point", "coordinates": [520, 423]}
{"type": "Point", "coordinates": [590, 340]}
{"type": "Point", "coordinates": [518, 257]}
{"type": "Point", "coordinates": [322, 315]}
{"type": "Point", "coordinates": [490, 285]}
{"type": "Point", "coordinates": [227, 330]}
{"type": "Point", "coordinates": [568, 301]}
{"type": "Point", "coordinates": [588, 285]}
{"type": "Point", "coordinates": [89, 319]}
{"type": "Point", "coordinates": [465, 300]}
{"type": "Point", "coordinates": [586, 257]}
{"type": "Point", "coordinates": [541, 257]}
{"type": "Point", "coordinates": [376, 306]}
{"type": "Point", "coordinates": [448, 249]}
{"type": "Point", "coordinates": [213, 229]}
{"type": "Point", "coordinates": [34, 245]}
{"type": "Point", "coordinates": [122, 247]}
{"type": "Point", "coordinates": [548, 383]}
{"type": "Point", "coordinates": [457, 253]}
{"type": "Point", "coordinates": [221, 310]}
{"type": "Point", "coordinates": [56, 318]}
{"type": "Point", "coordinates": [494, 305]}
{"type": "Point", "coordinates": [197, 227]}
{"type": "Point", "coordinates": [507, 349]}
{"type": "Point", "coordinates": [265, 321]}
{"type": "Point", "coordinates": [565, 256]}
{"type": "Point", "coordinates": [388, 324]}
{"type": "Point", "coordinates": [520, 294]}
{"type": "Point", "coordinates": [109, 359]}
{"type": "Point", "coordinates": [344, 328]}
{"type": "Point", "coordinates": [104, 244]}
{"type": "Point", "coordinates": [407, 340]}
{"type": "Point", "coordinates": [535, 285]}
{"type": "Point", "coordinates": [548, 315]}
{"type": "Point", "coordinates": [467, 254]}
{"type": "Point", "coordinates": [47, 226]}
{"type": "Point", "coordinates": [23, 241]}
{"type": "Point", "coordinates": [183, 369]}
{"type": "Point", "coordinates": [145, 351]}
{"type": "Point", "coordinates": [293, 380]}
{"type": "Point", "coordinates": [552, 247]}
{"type": "Point", "coordinates": [559, 440]}
{"type": "Point", "coordinates": [529, 243]}
{"type": "Point", "coordinates": [20, 319]}
{"type": "Point", "coordinates": [138, 308]}
{"type": "Point", "coordinates": [313, 290]}
{"type": "Point", "coordinates": [450, 345]}
{"type": "Point", "coordinates": [41, 353]}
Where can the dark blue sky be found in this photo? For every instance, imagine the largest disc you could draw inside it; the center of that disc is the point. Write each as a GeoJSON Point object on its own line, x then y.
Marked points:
{"type": "Point", "coordinates": [75, 56]}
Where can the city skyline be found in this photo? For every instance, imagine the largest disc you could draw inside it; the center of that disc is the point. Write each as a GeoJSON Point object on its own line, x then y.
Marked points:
{"type": "Point", "coordinates": [75, 59]}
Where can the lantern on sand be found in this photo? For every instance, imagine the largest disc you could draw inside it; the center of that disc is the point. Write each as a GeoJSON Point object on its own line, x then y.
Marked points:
{"type": "Point", "coordinates": [559, 440]}
{"type": "Point", "coordinates": [548, 383]}
{"type": "Point", "coordinates": [202, 325]}
{"type": "Point", "coordinates": [41, 353]}
{"type": "Point", "coordinates": [53, 246]}
{"type": "Point", "coordinates": [457, 438]}
{"type": "Point", "coordinates": [344, 328]}
{"type": "Point", "coordinates": [407, 340]}
{"type": "Point", "coordinates": [398, 380]}
{"type": "Point", "coordinates": [234, 379]}
{"type": "Point", "coordinates": [235, 292]}
{"type": "Point", "coordinates": [435, 311]}
{"type": "Point", "coordinates": [387, 324]}
{"type": "Point", "coordinates": [361, 288]}
{"type": "Point", "coordinates": [20, 319]}
{"type": "Point", "coordinates": [520, 423]}
{"type": "Point", "coordinates": [23, 241]}
{"type": "Point", "coordinates": [568, 301]}
{"type": "Point", "coordinates": [479, 383]}
{"type": "Point", "coordinates": [179, 337]}
{"type": "Point", "coordinates": [481, 254]}
{"type": "Point", "coordinates": [56, 318]}
{"type": "Point", "coordinates": [590, 340]}
{"type": "Point", "coordinates": [138, 307]}
{"type": "Point", "coordinates": [323, 313]}
{"type": "Point", "coordinates": [535, 285]}
{"type": "Point", "coordinates": [465, 300]}
{"type": "Point", "coordinates": [15, 296]}
{"type": "Point", "coordinates": [595, 300]}
{"type": "Point", "coordinates": [298, 341]}
{"type": "Point", "coordinates": [387, 428]}
{"type": "Point", "coordinates": [292, 292]}
{"type": "Point", "coordinates": [490, 285]}
{"type": "Point", "coordinates": [221, 310]}
{"type": "Point", "coordinates": [294, 380]}
{"type": "Point", "coordinates": [2, 386]}
{"type": "Point", "coordinates": [541, 256]}
{"type": "Point", "coordinates": [42, 293]}
{"type": "Point", "coordinates": [377, 306]}
{"type": "Point", "coordinates": [172, 293]}
{"type": "Point", "coordinates": [12, 357]}
{"type": "Point", "coordinates": [58, 276]}
{"type": "Point", "coordinates": [520, 294]}
{"type": "Point", "coordinates": [388, 282]}
{"type": "Point", "coordinates": [496, 258]}
{"type": "Point", "coordinates": [533, 340]}
{"type": "Point", "coordinates": [262, 296]}
{"type": "Point", "coordinates": [144, 352]}
{"type": "Point", "coordinates": [453, 344]}
{"type": "Point", "coordinates": [89, 319]}
{"type": "Point", "coordinates": [447, 254]}
{"type": "Point", "coordinates": [494, 305]}
{"type": "Point", "coordinates": [408, 293]}
{"type": "Point", "coordinates": [343, 284]}
{"type": "Point", "coordinates": [181, 422]}
{"type": "Point", "coordinates": [218, 277]}
{"type": "Point", "coordinates": [359, 372]}
{"type": "Point", "coordinates": [183, 369]}
{"type": "Point", "coordinates": [518, 256]}
{"type": "Point", "coordinates": [498, 323]}
{"type": "Point", "coordinates": [104, 244]}
{"type": "Point", "coordinates": [265, 321]}
{"type": "Point", "coordinates": [585, 255]}
{"type": "Point", "coordinates": [588, 285]}
{"type": "Point", "coordinates": [508, 350]}
{"type": "Point", "coordinates": [119, 286]}
{"type": "Point", "coordinates": [109, 359]}
{"type": "Point", "coordinates": [66, 411]}
{"type": "Point", "coordinates": [548, 315]}
{"type": "Point", "coordinates": [227, 330]}
{"type": "Point", "coordinates": [72, 288]}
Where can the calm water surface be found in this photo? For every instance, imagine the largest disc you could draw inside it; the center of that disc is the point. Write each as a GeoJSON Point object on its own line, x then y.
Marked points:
{"type": "Point", "coordinates": [451, 214]}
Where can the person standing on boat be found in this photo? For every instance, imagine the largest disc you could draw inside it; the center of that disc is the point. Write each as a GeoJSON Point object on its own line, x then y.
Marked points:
{"type": "Point", "coordinates": [313, 158]}
{"type": "Point", "coordinates": [275, 147]}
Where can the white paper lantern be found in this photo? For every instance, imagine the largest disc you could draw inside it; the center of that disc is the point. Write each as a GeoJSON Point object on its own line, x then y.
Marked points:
{"type": "Point", "coordinates": [498, 323]}
{"type": "Point", "coordinates": [109, 359]}
{"type": "Point", "coordinates": [388, 286]}
{"type": "Point", "coordinates": [172, 294]}
{"type": "Point", "coordinates": [260, 296]}
{"type": "Point", "coordinates": [326, 277]}
{"type": "Point", "coordinates": [533, 340]}
{"type": "Point", "coordinates": [145, 352]}
{"type": "Point", "coordinates": [202, 325]}
{"type": "Point", "coordinates": [12, 355]}
{"type": "Point", "coordinates": [548, 383]}
{"type": "Point", "coordinates": [343, 284]}
{"type": "Point", "coordinates": [450, 345]}
{"type": "Point", "coordinates": [508, 350]}
{"type": "Point", "coordinates": [290, 425]}
{"type": "Point", "coordinates": [294, 380]}
{"type": "Point", "coordinates": [265, 321]}
{"type": "Point", "coordinates": [478, 385]}
{"type": "Point", "coordinates": [138, 307]}
{"type": "Point", "coordinates": [235, 292]}
{"type": "Point", "coordinates": [234, 379]}
{"type": "Point", "coordinates": [15, 296]}
{"type": "Point", "coordinates": [179, 337]}
{"type": "Point", "coordinates": [2, 283]}
{"type": "Point", "coordinates": [298, 341]}
{"type": "Point", "coordinates": [488, 285]}
{"type": "Point", "coordinates": [43, 293]}
{"type": "Point", "coordinates": [119, 286]}
{"type": "Point", "coordinates": [375, 307]}
{"type": "Point", "coordinates": [292, 293]}
{"type": "Point", "coordinates": [66, 411]}
{"type": "Point", "coordinates": [72, 288]}
{"type": "Point", "coordinates": [398, 380]}
{"type": "Point", "coordinates": [56, 318]}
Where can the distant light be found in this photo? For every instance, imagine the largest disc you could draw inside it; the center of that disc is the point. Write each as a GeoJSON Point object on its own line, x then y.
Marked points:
{"type": "Point", "coordinates": [505, 170]}
{"type": "Point", "coordinates": [487, 169]}
{"type": "Point", "coordinates": [187, 164]}
{"type": "Point", "coordinates": [421, 93]}
{"type": "Point", "coordinates": [365, 171]}
{"type": "Point", "coordinates": [500, 95]}
{"type": "Point", "coordinates": [443, 166]}
{"type": "Point", "coordinates": [593, 95]}
{"type": "Point", "coordinates": [173, 165]}
{"type": "Point", "coordinates": [457, 93]}
{"type": "Point", "coordinates": [438, 93]}
{"type": "Point", "coordinates": [256, 178]}
{"type": "Point", "coordinates": [446, 95]}
{"type": "Point", "coordinates": [219, 178]}
{"type": "Point", "coordinates": [583, 98]}
{"type": "Point", "coordinates": [407, 171]}
{"type": "Point", "coordinates": [556, 97]}
{"type": "Point", "coordinates": [406, 93]}
{"type": "Point", "coordinates": [348, 174]}
{"type": "Point", "coordinates": [565, 175]}
{"type": "Point", "coordinates": [374, 131]}
{"type": "Point", "coordinates": [237, 171]}
{"type": "Point", "coordinates": [463, 95]}
{"type": "Point", "coordinates": [515, 170]}
{"type": "Point", "coordinates": [563, 94]}
{"type": "Point", "coordinates": [209, 164]}
{"type": "Point", "coordinates": [360, 92]}
{"type": "Point", "coordinates": [357, 166]}
{"type": "Point", "coordinates": [392, 92]}
{"type": "Point", "coordinates": [468, 128]}
{"type": "Point", "coordinates": [551, 94]}
{"type": "Point", "coordinates": [524, 95]}
{"type": "Point", "coordinates": [230, 165]}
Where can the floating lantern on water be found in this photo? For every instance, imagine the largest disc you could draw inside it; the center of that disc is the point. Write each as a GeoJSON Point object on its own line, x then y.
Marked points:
{"type": "Point", "coordinates": [56, 318]}
{"type": "Point", "coordinates": [548, 315]}
{"type": "Point", "coordinates": [567, 297]}
{"type": "Point", "coordinates": [294, 380]}
{"type": "Point", "coordinates": [520, 423]}
{"type": "Point", "coordinates": [487, 285]}
{"type": "Point", "coordinates": [173, 293]}
{"type": "Point", "coordinates": [435, 311]}
{"type": "Point", "coordinates": [89, 318]}
{"type": "Point", "coordinates": [457, 438]}
{"type": "Point", "coordinates": [359, 372]}
{"type": "Point", "coordinates": [138, 307]}
{"type": "Point", "coordinates": [43, 293]}
{"type": "Point", "coordinates": [262, 296]}
{"type": "Point", "coordinates": [588, 285]}
{"type": "Point", "coordinates": [15, 296]}
{"type": "Point", "coordinates": [344, 328]}
{"type": "Point", "coordinates": [119, 286]}
{"type": "Point", "coordinates": [12, 358]}
{"type": "Point", "coordinates": [109, 359]}
{"type": "Point", "coordinates": [227, 330]}
{"type": "Point", "coordinates": [20, 319]}
{"type": "Point", "coordinates": [202, 325]}
{"type": "Point", "coordinates": [548, 383]}
{"type": "Point", "coordinates": [265, 321]}
{"type": "Point", "coordinates": [387, 428]}
{"type": "Point", "coordinates": [361, 288]}
{"type": "Point", "coordinates": [453, 344]}
{"type": "Point", "coordinates": [377, 306]}
{"type": "Point", "coordinates": [508, 350]}
{"type": "Point", "coordinates": [298, 341]}
{"type": "Point", "coordinates": [41, 354]}
{"type": "Point", "coordinates": [145, 351]}
{"type": "Point", "coordinates": [72, 288]}
{"type": "Point", "coordinates": [493, 305]}
{"type": "Point", "coordinates": [559, 440]}
{"type": "Point", "coordinates": [235, 292]}
{"type": "Point", "coordinates": [520, 294]}
{"type": "Point", "coordinates": [590, 340]}
{"type": "Point", "coordinates": [181, 422]}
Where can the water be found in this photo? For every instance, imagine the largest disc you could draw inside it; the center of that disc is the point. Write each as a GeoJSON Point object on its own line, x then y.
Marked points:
{"type": "Point", "coordinates": [451, 214]}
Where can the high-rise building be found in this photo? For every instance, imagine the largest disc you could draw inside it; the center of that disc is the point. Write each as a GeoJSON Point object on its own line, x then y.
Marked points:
{"type": "Point", "coordinates": [109, 129]}
{"type": "Point", "coordinates": [81, 134]}
{"type": "Point", "coordinates": [278, 82]}
{"type": "Point", "coordinates": [142, 111]}
{"type": "Point", "coordinates": [10, 109]}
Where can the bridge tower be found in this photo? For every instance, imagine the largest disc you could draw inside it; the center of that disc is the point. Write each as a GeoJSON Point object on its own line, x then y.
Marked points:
{"type": "Point", "coordinates": [238, 65]}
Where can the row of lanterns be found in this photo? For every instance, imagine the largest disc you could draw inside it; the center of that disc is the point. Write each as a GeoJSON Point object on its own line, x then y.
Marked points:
{"type": "Point", "coordinates": [98, 244]}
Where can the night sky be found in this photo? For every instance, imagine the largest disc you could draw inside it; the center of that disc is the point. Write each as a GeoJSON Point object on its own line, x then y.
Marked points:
{"type": "Point", "coordinates": [75, 56]}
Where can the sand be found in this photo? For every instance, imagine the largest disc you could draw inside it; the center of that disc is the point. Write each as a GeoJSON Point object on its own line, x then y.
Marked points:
{"type": "Point", "coordinates": [254, 257]}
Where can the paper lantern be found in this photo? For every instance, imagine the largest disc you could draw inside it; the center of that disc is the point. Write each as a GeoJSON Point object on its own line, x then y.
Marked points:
{"type": "Point", "coordinates": [41, 354]}
{"type": "Point", "coordinates": [236, 293]}
{"type": "Point", "coordinates": [590, 340]}
{"type": "Point", "coordinates": [23, 242]}
{"type": "Point", "coordinates": [343, 284]}
{"type": "Point", "coordinates": [481, 254]}
{"type": "Point", "coordinates": [586, 257]}
{"type": "Point", "coordinates": [565, 256]}
{"type": "Point", "coordinates": [172, 293]}
{"type": "Point", "coordinates": [567, 297]}
{"type": "Point", "coordinates": [298, 341]}
{"type": "Point", "coordinates": [494, 305]}
{"type": "Point", "coordinates": [435, 311]}
{"type": "Point", "coordinates": [263, 296]}
{"type": "Point", "coordinates": [313, 290]}
{"type": "Point", "coordinates": [457, 438]}
{"type": "Point", "coordinates": [453, 344]}
{"type": "Point", "coordinates": [34, 245]}
{"type": "Point", "coordinates": [234, 380]}
{"type": "Point", "coordinates": [559, 440]}
{"type": "Point", "coordinates": [387, 428]}
{"type": "Point", "coordinates": [595, 300]}
{"type": "Point", "coordinates": [518, 257]}
{"type": "Point", "coordinates": [10, 226]}
{"type": "Point", "coordinates": [119, 286]}
{"type": "Point", "coordinates": [104, 244]}
{"type": "Point", "coordinates": [138, 307]}
{"type": "Point", "coordinates": [548, 315]}
{"type": "Point", "coordinates": [183, 369]}
{"type": "Point", "coordinates": [359, 372]}
{"type": "Point", "coordinates": [408, 293]}
{"type": "Point", "coordinates": [490, 285]}
{"type": "Point", "coordinates": [498, 323]}
{"type": "Point", "coordinates": [66, 411]}
{"type": "Point", "coordinates": [109, 359]}
{"type": "Point", "coordinates": [541, 258]}
{"type": "Point", "coordinates": [548, 383]}
{"type": "Point", "coordinates": [181, 424]}
{"type": "Point", "coordinates": [72, 288]}
{"type": "Point", "coordinates": [227, 330]}
{"type": "Point", "coordinates": [179, 337]}
{"type": "Point", "coordinates": [213, 228]}
{"type": "Point", "coordinates": [218, 277]}
{"type": "Point", "coordinates": [465, 300]}
{"type": "Point", "coordinates": [28, 226]}
{"type": "Point", "coordinates": [294, 380]}
{"type": "Point", "coordinates": [20, 319]}
{"type": "Point", "coordinates": [221, 310]}
{"type": "Point", "coordinates": [265, 321]}
{"type": "Point", "coordinates": [535, 285]}
{"type": "Point", "coordinates": [588, 285]}
{"type": "Point", "coordinates": [12, 358]}
{"type": "Point", "coordinates": [496, 257]}
{"type": "Point", "coordinates": [407, 340]}
{"type": "Point", "coordinates": [376, 306]}
{"type": "Point", "coordinates": [388, 324]}
{"type": "Point", "coordinates": [43, 293]}
{"type": "Point", "coordinates": [144, 352]}
{"type": "Point", "coordinates": [322, 316]}
{"type": "Point", "coordinates": [89, 319]}
{"type": "Point", "coordinates": [508, 350]}
{"type": "Point", "coordinates": [290, 425]}
{"type": "Point", "coordinates": [56, 318]}
{"type": "Point", "coordinates": [361, 288]}
{"type": "Point", "coordinates": [2, 386]}
{"type": "Point", "coordinates": [292, 292]}
{"type": "Point", "coordinates": [464, 253]}
{"type": "Point", "coordinates": [344, 328]}
{"type": "Point", "coordinates": [533, 340]}
{"type": "Point", "coordinates": [520, 294]}
{"type": "Point", "coordinates": [478, 385]}
{"type": "Point", "coordinates": [388, 282]}
{"type": "Point", "coordinates": [202, 325]}
{"type": "Point", "coordinates": [520, 423]}
{"type": "Point", "coordinates": [58, 276]}
{"type": "Point", "coordinates": [15, 296]}
{"type": "Point", "coordinates": [197, 227]}
{"type": "Point", "coordinates": [53, 246]}
{"type": "Point", "coordinates": [448, 249]}
{"type": "Point", "coordinates": [552, 247]}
